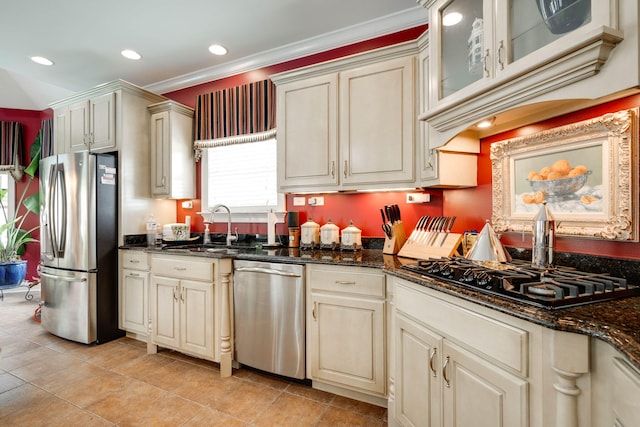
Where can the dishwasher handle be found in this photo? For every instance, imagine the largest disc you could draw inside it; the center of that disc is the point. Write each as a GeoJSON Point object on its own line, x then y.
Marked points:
{"type": "Point", "coordinates": [267, 271]}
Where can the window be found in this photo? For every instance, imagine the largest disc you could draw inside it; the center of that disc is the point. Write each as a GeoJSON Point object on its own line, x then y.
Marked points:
{"type": "Point", "coordinates": [7, 187]}
{"type": "Point", "coordinates": [242, 176]}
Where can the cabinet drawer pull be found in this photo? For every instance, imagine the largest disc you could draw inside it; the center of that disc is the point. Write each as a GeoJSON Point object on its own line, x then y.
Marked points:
{"type": "Point", "coordinates": [134, 274]}
{"type": "Point", "coordinates": [179, 268]}
{"type": "Point", "coordinates": [345, 282]}
{"type": "Point", "coordinates": [444, 372]}
{"type": "Point", "coordinates": [134, 261]}
{"type": "Point", "coordinates": [431, 358]}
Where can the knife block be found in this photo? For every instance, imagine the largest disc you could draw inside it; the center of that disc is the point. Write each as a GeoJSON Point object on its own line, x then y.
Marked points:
{"type": "Point", "coordinates": [422, 250]}
{"type": "Point", "coordinates": [393, 244]}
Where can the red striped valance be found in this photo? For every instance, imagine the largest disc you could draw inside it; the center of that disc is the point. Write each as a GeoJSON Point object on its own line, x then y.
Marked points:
{"type": "Point", "coordinates": [237, 111]}
{"type": "Point", "coordinates": [11, 149]}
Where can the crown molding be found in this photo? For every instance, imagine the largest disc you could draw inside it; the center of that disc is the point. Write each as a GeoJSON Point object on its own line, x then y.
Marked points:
{"type": "Point", "coordinates": [409, 18]}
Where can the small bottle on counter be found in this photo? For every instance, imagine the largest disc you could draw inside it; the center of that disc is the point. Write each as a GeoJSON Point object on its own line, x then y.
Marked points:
{"type": "Point", "coordinates": [151, 228]}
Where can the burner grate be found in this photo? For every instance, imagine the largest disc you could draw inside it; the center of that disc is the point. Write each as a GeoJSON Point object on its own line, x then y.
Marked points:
{"type": "Point", "coordinates": [550, 288]}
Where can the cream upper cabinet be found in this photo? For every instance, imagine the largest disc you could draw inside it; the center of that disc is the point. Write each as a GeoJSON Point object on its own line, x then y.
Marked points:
{"type": "Point", "coordinates": [172, 159]}
{"type": "Point", "coordinates": [349, 124]}
{"type": "Point", "coordinates": [90, 125]}
{"type": "Point", "coordinates": [307, 133]}
{"type": "Point", "coordinates": [377, 124]}
{"type": "Point", "coordinates": [346, 328]}
{"type": "Point", "coordinates": [489, 56]}
{"type": "Point", "coordinates": [455, 164]}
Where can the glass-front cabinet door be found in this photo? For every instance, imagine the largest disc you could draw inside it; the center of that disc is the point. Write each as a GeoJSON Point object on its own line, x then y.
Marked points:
{"type": "Point", "coordinates": [461, 26]}
{"type": "Point", "coordinates": [533, 24]}
{"type": "Point", "coordinates": [485, 43]}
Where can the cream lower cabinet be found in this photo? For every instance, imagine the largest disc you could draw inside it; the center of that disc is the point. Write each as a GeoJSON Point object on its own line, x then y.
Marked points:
{"type": "Point", "coordinates": [346, 328]}
{"type": "Point", "coordinates": [190, 308]}
{"type": "Point", "coordinates": [454, 367]}
{"type": "Point", "coordinates": [133, 293]}
{"type": "Point", "coordinates": [182, 315]}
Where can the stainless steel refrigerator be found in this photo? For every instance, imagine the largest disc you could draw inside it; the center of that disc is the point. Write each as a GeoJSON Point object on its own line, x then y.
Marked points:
{"type": "Point", "coordinates": [79, 246]}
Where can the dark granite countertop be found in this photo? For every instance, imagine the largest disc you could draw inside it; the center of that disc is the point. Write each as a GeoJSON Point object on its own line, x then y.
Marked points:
{"type": "Point", "coordinates": [615, 322]}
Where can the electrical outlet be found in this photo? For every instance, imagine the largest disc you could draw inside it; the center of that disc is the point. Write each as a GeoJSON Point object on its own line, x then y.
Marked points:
{"type": "Point", "coordinates": [418, 197]}
{"type": "Point", "coordinates": [299, 201]}
{"type": "Point", "coordinates": [187, 205]}
{"type": "Point", "coordinates": [316, 201]}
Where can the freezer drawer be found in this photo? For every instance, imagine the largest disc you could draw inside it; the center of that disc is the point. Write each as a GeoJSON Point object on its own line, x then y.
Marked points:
{"type": "Point", "coordinates": [69, 309]}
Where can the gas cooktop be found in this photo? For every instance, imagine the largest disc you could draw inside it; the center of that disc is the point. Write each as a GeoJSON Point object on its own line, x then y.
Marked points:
{"type": "Point", "coordinates": [550, 288]}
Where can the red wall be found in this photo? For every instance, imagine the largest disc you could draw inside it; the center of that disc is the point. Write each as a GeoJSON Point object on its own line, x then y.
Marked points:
{"type": "Point", "coordinates": [31, 122]}
{"type": "Point", "coordinates": [473, 206]}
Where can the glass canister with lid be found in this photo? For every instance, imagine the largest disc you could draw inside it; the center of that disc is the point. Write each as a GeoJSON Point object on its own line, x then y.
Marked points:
{"type": "Point", "coordinates": [329, 235]}
{"type": "Point", "coordinates": [309, 235]}
{"type": "Point", "coordinates": [351, 238]}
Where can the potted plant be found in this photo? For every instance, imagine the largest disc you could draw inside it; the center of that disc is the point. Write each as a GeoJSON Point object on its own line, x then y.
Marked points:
{"type": "Point", "coordinates": [12, 268]}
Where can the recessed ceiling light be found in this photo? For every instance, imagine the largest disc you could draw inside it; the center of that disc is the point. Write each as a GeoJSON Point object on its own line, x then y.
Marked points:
{"type": "Point", "coordinates": [451, 19]}
{"type": "Point", "coordinates": [131, 54]}
{"type": "Point", "coordinates": [216, 49]}
{"type": "Point", "coordinates": [41, 60]}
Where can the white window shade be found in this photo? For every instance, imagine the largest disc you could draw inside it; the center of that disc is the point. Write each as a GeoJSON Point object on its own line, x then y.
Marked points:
{"type": "Point", "coordinates": [242, 176]}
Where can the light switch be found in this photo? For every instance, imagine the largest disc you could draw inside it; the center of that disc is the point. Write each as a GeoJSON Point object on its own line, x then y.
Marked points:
{"type": "Point", "coordinates": [298, 201]}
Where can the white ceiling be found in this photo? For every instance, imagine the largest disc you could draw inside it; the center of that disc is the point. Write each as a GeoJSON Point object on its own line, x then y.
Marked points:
{"type": "Point", "coordinates": [84, 39]}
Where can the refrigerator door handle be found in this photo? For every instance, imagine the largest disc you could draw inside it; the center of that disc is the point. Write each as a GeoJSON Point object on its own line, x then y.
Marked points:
{"type": "Point", "coordinates": [65, 279]}
{"type": "Point", "coordinates": [51, 223]}
{"type": "Point", "coordinates": [63, 232]}
{"type": "Point", "coordinates": [58, 199]}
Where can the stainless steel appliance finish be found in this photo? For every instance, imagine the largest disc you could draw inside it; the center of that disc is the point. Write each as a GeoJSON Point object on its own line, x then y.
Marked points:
{"type": "Point", "coordinates": [269, 317]}
{"type": "Point", "coordinates": [550, 288]}
{"type": "Point", "coordinates": [70, 301]}
{"type": "Point", "coordinates": [78, 246]}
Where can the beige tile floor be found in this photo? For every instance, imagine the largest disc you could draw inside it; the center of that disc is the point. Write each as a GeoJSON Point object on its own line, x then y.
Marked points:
{"type": "Point", "coordinates": [48, 381]}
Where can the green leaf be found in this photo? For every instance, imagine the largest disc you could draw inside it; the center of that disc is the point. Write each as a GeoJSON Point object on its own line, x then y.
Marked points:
{"type": "Point", "coordinates": [32, 203]}
{"type": "Point", "coordinates": [36, 149]}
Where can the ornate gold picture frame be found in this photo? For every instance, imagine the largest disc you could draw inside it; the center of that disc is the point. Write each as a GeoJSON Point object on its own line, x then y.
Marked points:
{"type": "Point", "coordinates": [587, 172]}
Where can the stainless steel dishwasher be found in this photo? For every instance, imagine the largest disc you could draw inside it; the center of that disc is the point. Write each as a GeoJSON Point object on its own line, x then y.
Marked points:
{"type": "Point", "coordinates": [269, 321]}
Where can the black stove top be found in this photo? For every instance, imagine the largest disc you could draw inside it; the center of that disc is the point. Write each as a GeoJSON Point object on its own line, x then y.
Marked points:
{"type": "Point", "coordinates": [550, 288]}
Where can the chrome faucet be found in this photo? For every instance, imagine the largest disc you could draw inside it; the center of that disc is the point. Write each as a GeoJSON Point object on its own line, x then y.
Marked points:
{"type": "Point", "coordinates": [230, 237]}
